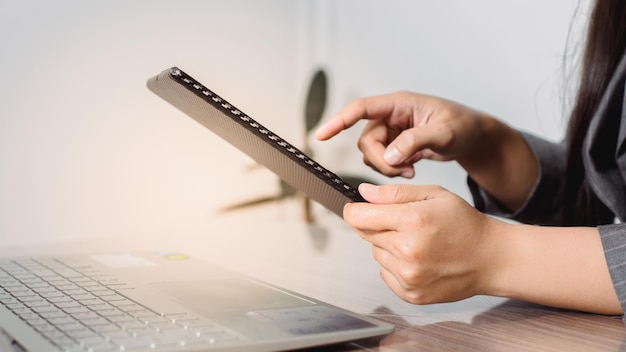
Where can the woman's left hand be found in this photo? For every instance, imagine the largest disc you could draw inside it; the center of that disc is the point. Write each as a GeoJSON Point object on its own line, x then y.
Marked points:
{"type": "Point", "coordinates": [432, 246]}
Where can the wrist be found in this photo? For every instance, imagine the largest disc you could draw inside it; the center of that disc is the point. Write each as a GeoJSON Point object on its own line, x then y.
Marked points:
{"type": "Point", "coordinates": [561, 267]}
{"type": "Point", "coordinates": [495, 266]}
{"type": "Point", "coordinates": [485, 146]}
{"type": "Point", "coordinates": [502, 163]}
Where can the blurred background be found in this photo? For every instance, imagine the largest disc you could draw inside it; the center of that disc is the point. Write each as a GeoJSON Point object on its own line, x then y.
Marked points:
{"type": "Point", "coordinates": [87, 151]}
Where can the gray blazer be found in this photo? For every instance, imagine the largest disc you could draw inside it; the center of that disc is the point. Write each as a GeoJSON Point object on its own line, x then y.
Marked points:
{"type": "Point", "coordinates": [605, 179]}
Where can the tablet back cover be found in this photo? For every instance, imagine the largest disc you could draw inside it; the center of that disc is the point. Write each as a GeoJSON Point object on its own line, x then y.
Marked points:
{"type": "Point", "coordinates": [261, 144]}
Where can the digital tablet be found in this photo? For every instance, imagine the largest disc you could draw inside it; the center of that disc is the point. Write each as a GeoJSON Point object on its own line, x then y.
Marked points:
{"type": "Point", "coordinates": [254, 139]}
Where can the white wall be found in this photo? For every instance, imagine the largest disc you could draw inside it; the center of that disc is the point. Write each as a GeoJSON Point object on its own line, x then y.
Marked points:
{"type": "Point", "coordinates": [502, 57]}
{"type": "Point", "coordinates": [87, 151]}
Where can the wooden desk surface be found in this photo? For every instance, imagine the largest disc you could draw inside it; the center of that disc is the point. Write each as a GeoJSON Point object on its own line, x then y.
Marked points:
{"type": "Point", "coordinates": [329, 262]}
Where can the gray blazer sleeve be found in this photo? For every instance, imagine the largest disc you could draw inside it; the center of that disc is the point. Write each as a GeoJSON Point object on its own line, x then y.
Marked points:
{"type": "Point", "coordinates": [543, 205]}
{"type": "Point", "coordinates": [604, 186]}
{"type": "Point", "coordinates": [614, 241]}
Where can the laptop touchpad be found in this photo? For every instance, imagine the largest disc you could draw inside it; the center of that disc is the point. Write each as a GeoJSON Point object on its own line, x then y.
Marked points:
{"type": "Point", "coordinates": [228, 294]}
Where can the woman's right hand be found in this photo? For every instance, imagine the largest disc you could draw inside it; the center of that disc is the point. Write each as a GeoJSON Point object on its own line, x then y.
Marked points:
{"type": "Point", "coordinates": [405, 127]}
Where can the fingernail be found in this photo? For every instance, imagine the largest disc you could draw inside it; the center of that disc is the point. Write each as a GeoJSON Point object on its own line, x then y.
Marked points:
{"type": "Point", "coordinates": [392, 156]}
{"type": "Point", "coordinates": [320, 131]}
{"type": "Point", "coordinates": [408, 173]}
{"type": "Point", "coordinates": [366, 189]}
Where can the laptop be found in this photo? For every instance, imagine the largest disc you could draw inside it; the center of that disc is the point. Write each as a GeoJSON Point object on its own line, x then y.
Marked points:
{"type": "Point", "coordinates": [168, 301]}
{"type": "Point", "coordinates": [160, 302]}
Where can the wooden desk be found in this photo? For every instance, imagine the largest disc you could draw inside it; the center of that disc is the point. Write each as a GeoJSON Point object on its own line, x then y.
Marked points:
{"type": "Point", "coordinates": [329, 262]}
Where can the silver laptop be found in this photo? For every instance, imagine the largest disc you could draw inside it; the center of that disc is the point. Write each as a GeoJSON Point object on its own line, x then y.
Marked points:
{"type": "Point", "coordinates": [159, 301]}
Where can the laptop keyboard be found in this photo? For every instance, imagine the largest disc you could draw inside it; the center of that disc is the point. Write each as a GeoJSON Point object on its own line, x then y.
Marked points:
{"type": "Point", "coordinates": [79, 309]}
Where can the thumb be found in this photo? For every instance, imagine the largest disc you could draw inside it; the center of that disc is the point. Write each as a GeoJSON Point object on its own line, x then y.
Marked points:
{"type": "Point", "coordinates": [412, 141]}
{"type": "Point", "coordinates": [398, 193]}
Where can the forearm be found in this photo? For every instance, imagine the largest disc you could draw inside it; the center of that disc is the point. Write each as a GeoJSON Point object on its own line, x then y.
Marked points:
{"type": "Point", "coordinates": [502, 163]}
{"type": "Point", "coordinates": [555, 266]}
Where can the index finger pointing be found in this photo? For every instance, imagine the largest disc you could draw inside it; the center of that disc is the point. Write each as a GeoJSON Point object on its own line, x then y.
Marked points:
{"type": "Point", "coordinates": [359, 109]}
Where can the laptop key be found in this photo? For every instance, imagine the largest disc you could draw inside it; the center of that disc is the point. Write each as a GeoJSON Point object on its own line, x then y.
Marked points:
{"type": "Point", "coordinates": [121, 319]}
{"type": "Point", "coordinates": [104, 347]}
{"type": "Point", "coordinates": [54, 334]}
{"type": "Point", "coordinates": [80, 334]}
{"type": "Point", "coordinates": [45, 328]}
{"type": "Point", "coordinates": [96, 323]}
{"type": "Point", "coordinates": [82, 316]}
{"type": "Point", "coordinates": [143, 314]}
{"type": "Point", "coordinates": [92, 302]}
{"type": "Point", "coordinates": [66, 343]}
{"type": "Point", "coordinates": [117, 300]}
{"type": "Point", "coordinates": [116, 334]}
{"type": "Point", "coordinates": [67, 304]}
{"type": "Point", "coordinates": [45, 308]}
{"type": "Point", "coordinates": [29, 315]}
{"type": "Point", "coordinates": [166, 327]}
{"type": "Point", "coordinates": [62, 321]}
{"type": "Point", "coordinates": [111, 313]}
{"type": "Point", "coordinates": [36, 321]}
{"type": "Point", "coordinates": [192, 342]}
{"type": "Point", "coordinates": [129, 308]}
{"type": "Point", "coordinates": [162, 342]}
{"type": "Point", "coordinates": [181, 317]}
{"type": "Point", "coordinates": [132, 344]}
{"type": "Point", "coordinates": [53, 314]}
{"type": "Point", "coordinates": [150, 319]}
{"type": "Point", "coordinates": [31, 299]}
{"type": "Point", "coordinates": [68, 273]}
{"type": "Point", "coordinates": [15, 287]}
{"type": "Point", "coordinates": [53, 293]}
{"type": "Point", "coordinates": [76, 309]}
{"type": "Point", "coordinates": [9, 300]}
{"type": "Point", "coordinates": [207, 329]}
{"type": "Point", "coordinates": [191, 324]}
{"type": "Point", "coordinates": [19, 293]}
{"type": "Point", "coordinates": [35, 302]}
{"type": "Point", "coordinates": [71, 327]}
{"type": "Point", "coordinates": [60, 299]}
{"type": "Point", "coordinates": [142, 331]}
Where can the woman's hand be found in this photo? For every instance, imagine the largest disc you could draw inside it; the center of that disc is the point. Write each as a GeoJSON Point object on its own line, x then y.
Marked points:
{"type": "Point", "coordinates": [405, 127]}
{"type": "Point", "coordinates": [432, 246]}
